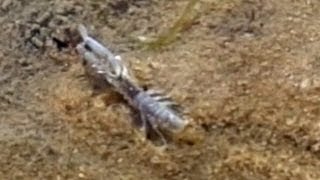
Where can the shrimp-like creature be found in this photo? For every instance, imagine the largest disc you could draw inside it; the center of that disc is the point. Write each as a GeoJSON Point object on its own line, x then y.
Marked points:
{"type": "Point", "coordinates": [157, 112]}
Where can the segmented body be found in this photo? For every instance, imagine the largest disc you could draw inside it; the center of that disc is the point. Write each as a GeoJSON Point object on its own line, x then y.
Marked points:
{"type": "Point", "coordinates": [157, 112]}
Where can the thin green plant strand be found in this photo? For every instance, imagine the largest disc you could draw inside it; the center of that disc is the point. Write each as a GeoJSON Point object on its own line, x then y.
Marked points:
{"type": "Point", "coordinates": [186, 19]}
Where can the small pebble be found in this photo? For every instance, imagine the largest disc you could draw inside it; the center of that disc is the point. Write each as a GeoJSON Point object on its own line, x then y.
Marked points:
{"type": "Point", "coordinates": [305, 83]}
{"type": "Point", "coordinates": [5, 4]}
{"type": "Point", "coordinates": [155, 160]}
{"type": "Point", "coordinates": [316, 147]}
{"type": "Point", "coordinates": [119, 160]}
{"type": "Point", "coordinates": [81, 175]}
{"type": "Point", "coordinates": [37, 42]}
{"type": "Point", "coordinates": [44, 19]}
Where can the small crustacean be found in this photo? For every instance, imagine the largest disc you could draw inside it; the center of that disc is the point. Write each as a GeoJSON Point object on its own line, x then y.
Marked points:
{"type": "Point", "coordinates": [157, 112]}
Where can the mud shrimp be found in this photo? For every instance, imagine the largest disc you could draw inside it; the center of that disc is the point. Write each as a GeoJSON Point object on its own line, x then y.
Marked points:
{"type": "Point", "coordinates": [157, 112]}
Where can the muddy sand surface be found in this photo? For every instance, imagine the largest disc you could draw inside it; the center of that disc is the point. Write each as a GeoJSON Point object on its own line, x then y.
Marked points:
{"type": "Point", "coordinates": [247, 72]}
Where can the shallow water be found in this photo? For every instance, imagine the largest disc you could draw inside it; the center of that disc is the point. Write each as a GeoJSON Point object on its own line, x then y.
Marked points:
{"type": "Point", "coordinates": [247, 72]}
